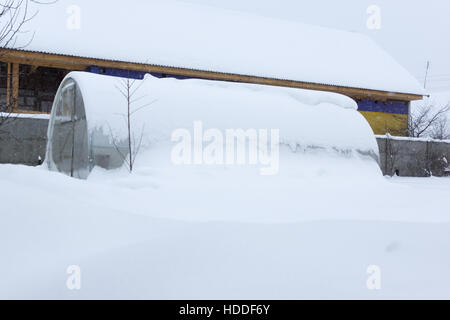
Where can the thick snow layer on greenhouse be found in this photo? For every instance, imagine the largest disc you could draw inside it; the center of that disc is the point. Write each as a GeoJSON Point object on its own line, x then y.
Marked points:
{"type": "Point", "coordinates": [176, 34]}
{"type": "Point", "coordinates": [89, 121]}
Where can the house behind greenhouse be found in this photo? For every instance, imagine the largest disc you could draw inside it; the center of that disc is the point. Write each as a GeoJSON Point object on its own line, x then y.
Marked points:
{"type": "Point", "coordinates": [271, 52]}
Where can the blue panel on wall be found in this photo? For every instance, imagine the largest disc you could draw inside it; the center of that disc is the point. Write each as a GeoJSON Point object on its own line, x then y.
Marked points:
{"type": "Point", "coordinates": [160, 75]}
{"type": "Point", "coordinates": [117, 72]}
{"type": "Point", "coordinates": [398, 107]}
{"type": "Point", "coordinates": [131, 74]}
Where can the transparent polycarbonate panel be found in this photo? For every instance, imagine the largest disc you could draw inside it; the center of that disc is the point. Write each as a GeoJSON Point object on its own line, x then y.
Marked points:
{"type": "Point", "coordinates": [69, 145]}
{"type": "Point", "coordinates": [80, 161]}
{"type": "Point", "coordinates": [62, 137]}
{"type": "Point", "coordinates": [107, 154]}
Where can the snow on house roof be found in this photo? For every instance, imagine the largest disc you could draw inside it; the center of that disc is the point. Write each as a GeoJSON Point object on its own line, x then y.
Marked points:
{"type": "Point", "coordinates": [175, 34]}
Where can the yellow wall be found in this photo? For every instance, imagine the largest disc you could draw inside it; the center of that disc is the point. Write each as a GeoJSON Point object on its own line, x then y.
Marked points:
{"type": "Point", "coordinates": [382, 123]}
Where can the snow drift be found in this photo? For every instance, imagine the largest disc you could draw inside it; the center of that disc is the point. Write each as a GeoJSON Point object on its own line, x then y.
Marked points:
{"type": "Point", "coordinates": [145, 236]}
{"type": "Point", "coordinates": [89, 127]}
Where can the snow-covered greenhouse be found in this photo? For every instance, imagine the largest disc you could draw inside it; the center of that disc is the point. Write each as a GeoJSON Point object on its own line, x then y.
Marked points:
{"type": "Point", "coordinates": [92, 123]}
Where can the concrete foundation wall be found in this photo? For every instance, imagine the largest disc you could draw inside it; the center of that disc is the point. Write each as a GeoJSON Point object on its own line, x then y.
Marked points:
{"type": "Point", "coordinates": [23, 141]}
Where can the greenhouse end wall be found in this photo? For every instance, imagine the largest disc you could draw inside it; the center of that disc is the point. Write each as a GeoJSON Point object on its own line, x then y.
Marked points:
{"type": "Point", "coordinates": [73, 147]}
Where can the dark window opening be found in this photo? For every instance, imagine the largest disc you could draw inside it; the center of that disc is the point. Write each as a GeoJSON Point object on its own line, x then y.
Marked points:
{"type": "Point", "coordinates": [37, 86]}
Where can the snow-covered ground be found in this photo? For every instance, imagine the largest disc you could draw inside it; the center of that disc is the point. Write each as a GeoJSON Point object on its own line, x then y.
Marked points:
{"type": "Point", "coordinates": [177, 230]}
{"type": "Point", "coordinates": [198, 232]}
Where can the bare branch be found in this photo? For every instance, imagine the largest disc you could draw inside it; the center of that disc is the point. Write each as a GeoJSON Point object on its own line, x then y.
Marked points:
{"type": "Point", "coordinates": [425, 119]}
{"type": "Point", "coordinates": [14, 16]}
{"type": "Point", "coordinates": [128, 88]}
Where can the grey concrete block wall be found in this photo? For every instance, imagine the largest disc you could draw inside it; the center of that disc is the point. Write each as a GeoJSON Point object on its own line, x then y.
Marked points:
{"type": "Point", "coordinates": [23, 141]}
{"type": "Point", "coordinates": [410, 157]}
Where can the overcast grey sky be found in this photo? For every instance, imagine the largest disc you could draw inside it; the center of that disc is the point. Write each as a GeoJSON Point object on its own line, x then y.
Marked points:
{"type": "Point", "coordinates": [412, 31]}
